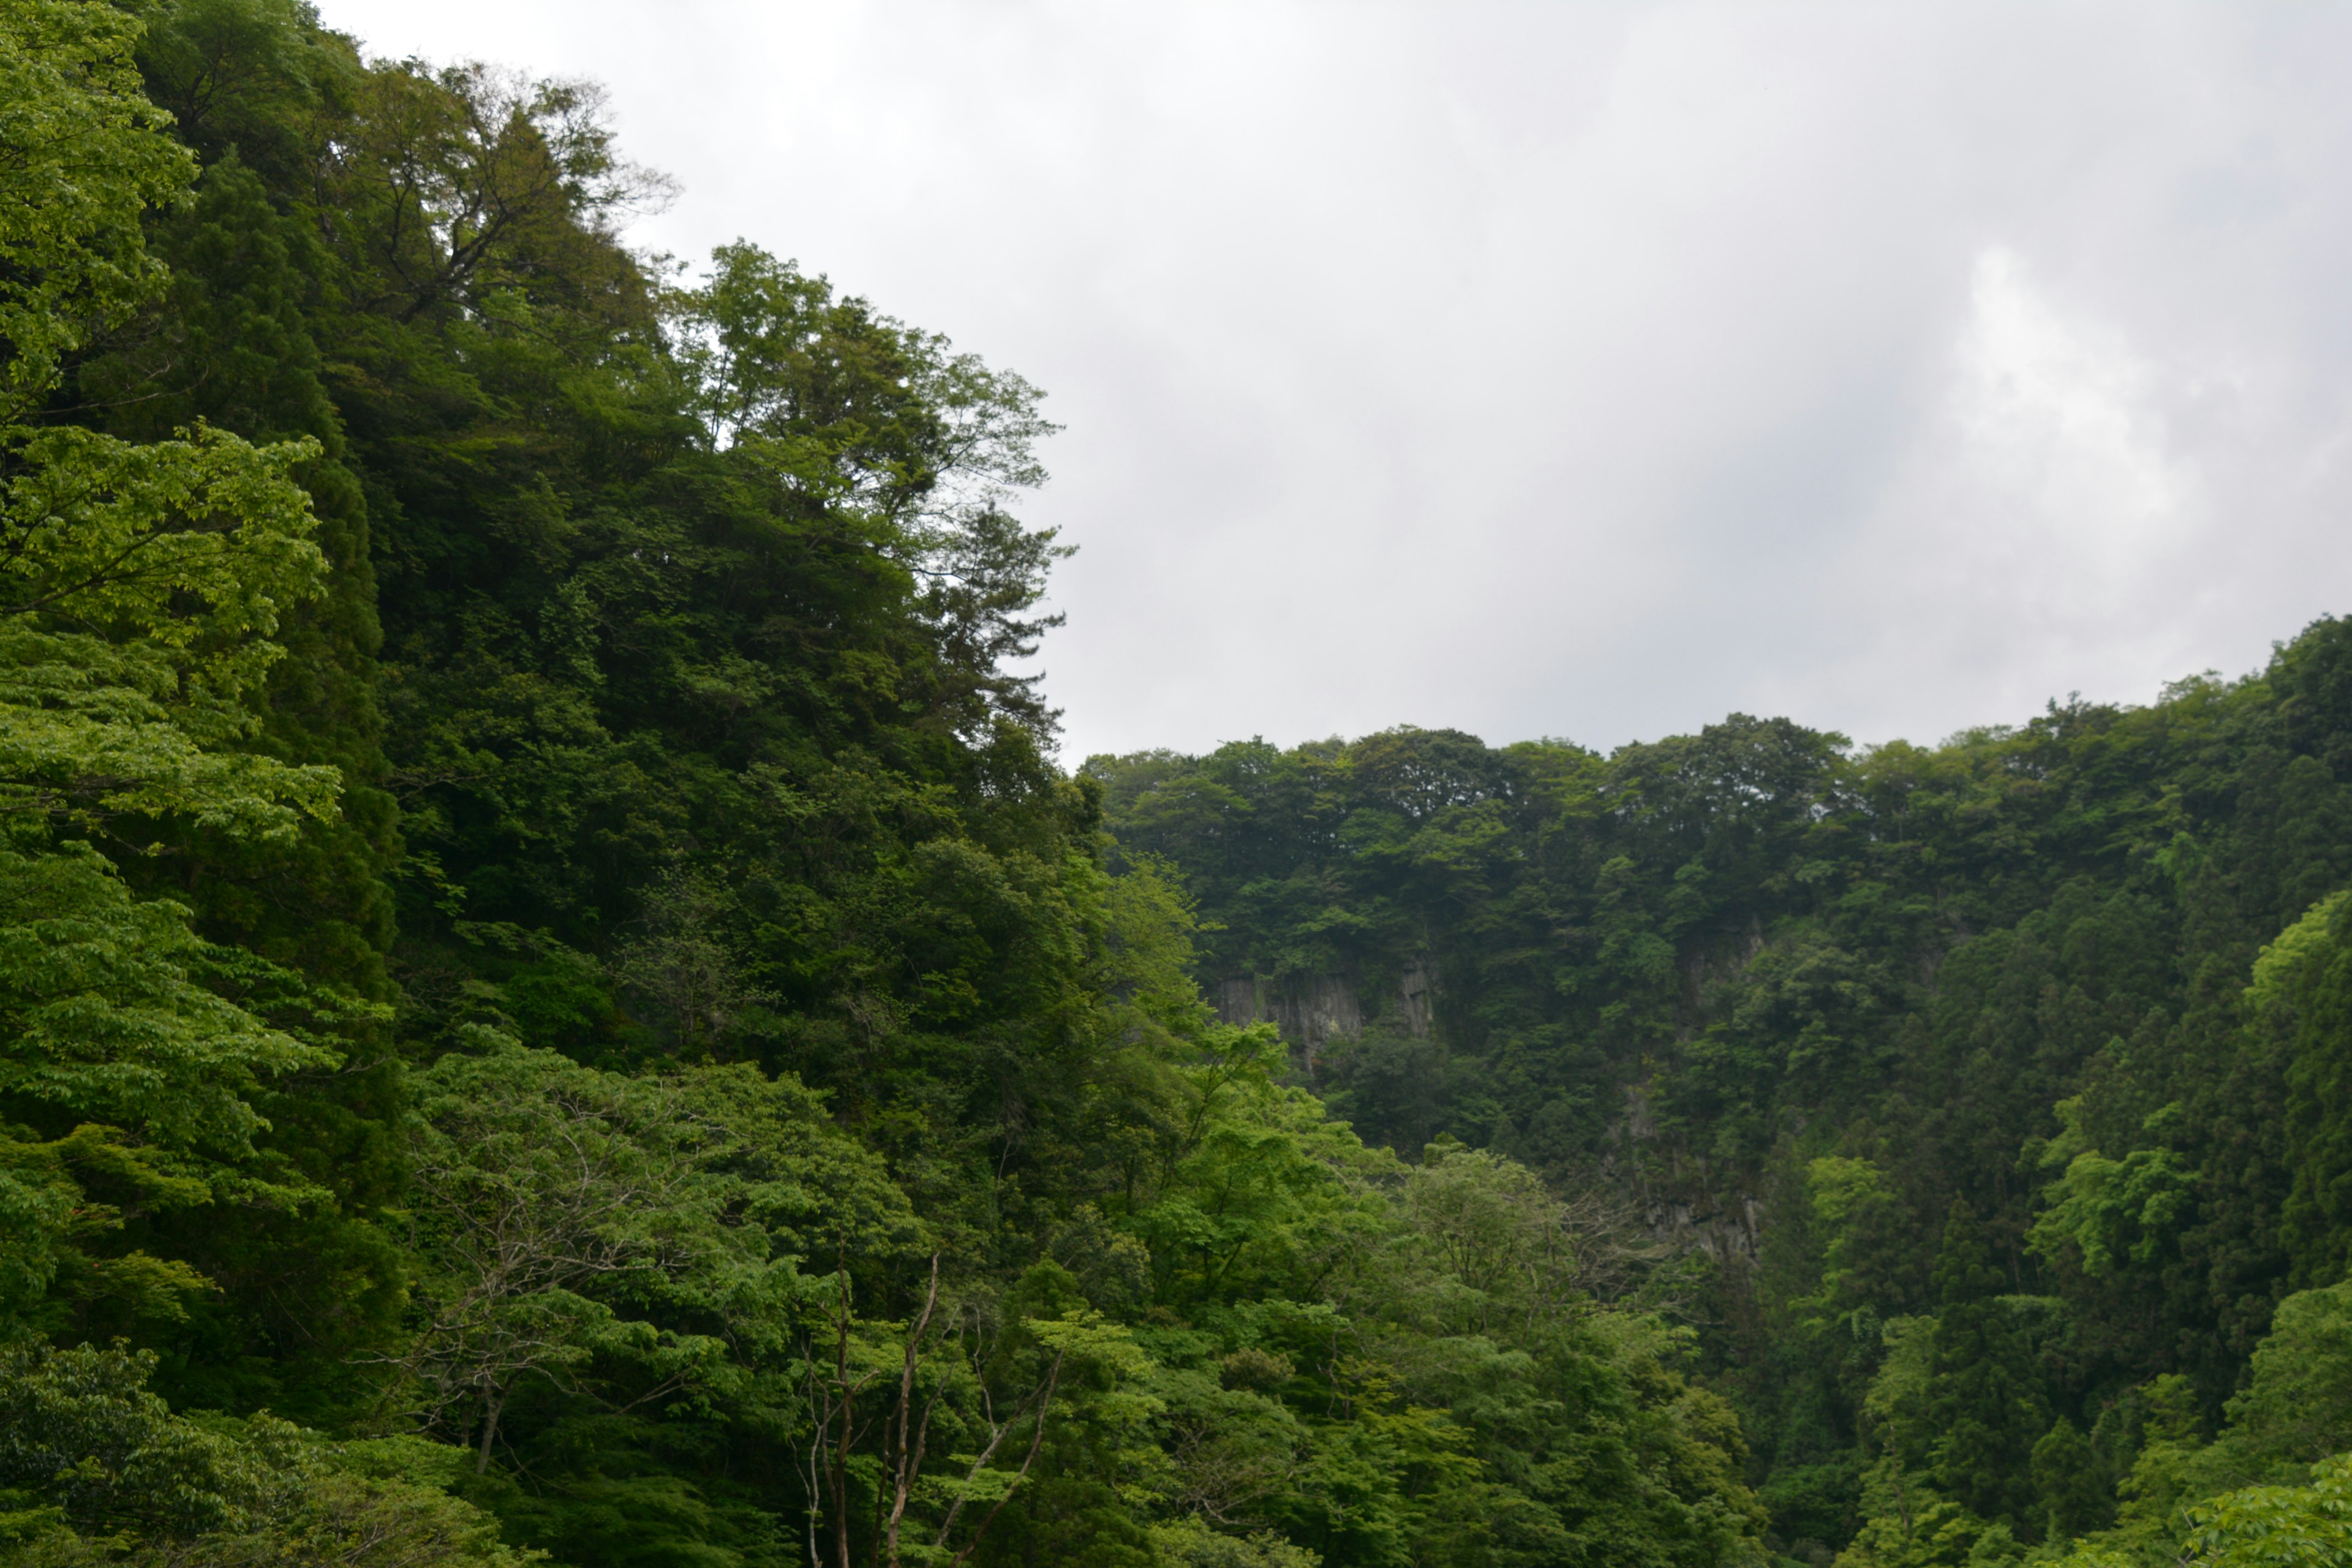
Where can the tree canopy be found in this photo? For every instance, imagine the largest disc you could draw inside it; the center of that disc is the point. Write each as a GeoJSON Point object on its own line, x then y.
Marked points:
{"type": "Point", "coordinates": [559, 1004]}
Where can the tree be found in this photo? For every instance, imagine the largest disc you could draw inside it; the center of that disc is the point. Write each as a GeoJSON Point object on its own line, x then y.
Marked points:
{"type": "Point", "coordinates": [548, 1195]}
{"type": "Point", "coordinates": [2296, 1408]}
{"type": "Point", "coordinates": [885, 432]}
{"type": "Point", "coordinates": [1983, 1400]}
{"type": "Point", "coordinates": [86, 159]}
{"type": "Point", "coordinates": [106, 1464]}
{"type": "Point", "coordinates": [140, 586]}
{"type": "Point", "coordinates": [2259, 1527]}
{"type": "Point", "coordinates": [140, 583]}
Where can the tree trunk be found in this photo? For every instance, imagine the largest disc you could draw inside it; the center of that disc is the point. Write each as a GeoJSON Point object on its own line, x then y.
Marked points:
{"type": "Point", "coordinates": [492, 1402]}
{"type": "Point", "coordinates": [849, 1427]}
{"type": "Point", "coordinates": [1037, 1442]}
{"type": "Point", "coordinates": [910, 1455]}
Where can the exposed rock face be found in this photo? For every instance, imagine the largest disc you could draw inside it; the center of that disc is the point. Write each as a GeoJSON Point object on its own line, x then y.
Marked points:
{"type": "Point", "coordinates": [1728, 1228]}
{"type": "Point", "coordinates": [1312, 1011]}
{"type": "Point", "coordinates": [1417, 997]}
{"type": "Point", "coordinates": [1691, 1215]}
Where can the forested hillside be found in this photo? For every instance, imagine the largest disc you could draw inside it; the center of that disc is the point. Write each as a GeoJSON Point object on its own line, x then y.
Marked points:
{"type": "Point", "coordinates": [556, 1000]}
{"type": "Point", "coordinates": [558, 1003]}
{"type": "Point", "coordinates": [1995, 1095]}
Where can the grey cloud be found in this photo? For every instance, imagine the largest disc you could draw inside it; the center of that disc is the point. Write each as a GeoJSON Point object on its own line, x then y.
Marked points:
{"type": "Point", "coordinates": [1576, 370]}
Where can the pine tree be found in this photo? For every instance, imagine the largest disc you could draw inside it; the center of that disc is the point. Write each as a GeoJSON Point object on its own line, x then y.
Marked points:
{"type": "Point", "coordinates": [1984, 1399]}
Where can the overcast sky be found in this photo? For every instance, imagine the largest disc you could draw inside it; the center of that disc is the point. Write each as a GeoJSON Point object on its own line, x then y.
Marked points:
{"type": "Point", "coordinates": [1571, 369]}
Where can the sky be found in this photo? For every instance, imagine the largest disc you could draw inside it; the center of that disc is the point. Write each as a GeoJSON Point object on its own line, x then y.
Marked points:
{"type": "Point", "coordinates": [1571, 370]}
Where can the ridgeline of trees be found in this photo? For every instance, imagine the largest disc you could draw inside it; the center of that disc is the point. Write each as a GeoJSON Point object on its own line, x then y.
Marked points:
{"type": "Point", "coordinates": [555, 1001]}
{"type": "Point", "coordinates": [557, 1006]}
{"type": "Point", "coordinates": [1997, 1097]}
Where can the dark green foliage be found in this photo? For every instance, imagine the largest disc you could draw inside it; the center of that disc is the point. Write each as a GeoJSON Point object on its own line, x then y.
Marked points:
{"type": "Point", "coordinates": [93, 1466]}
{"type": "Point", "coordinates": [627, 1033]}
{"type": "Point", "coordinates": [1755, 967]}
{"type": "Point", "coordinates": [84, 1435]}
{"type": "Point", "coordinates": [559, 955]}
{"type": "Point", "coordinates": [1985, 1403]}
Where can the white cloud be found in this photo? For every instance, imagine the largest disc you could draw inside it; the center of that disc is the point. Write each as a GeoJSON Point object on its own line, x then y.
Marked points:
{"type": "Point", "coordinates": [2062, 428]}
{"type": "Point", "coordinates": [1586, 370]}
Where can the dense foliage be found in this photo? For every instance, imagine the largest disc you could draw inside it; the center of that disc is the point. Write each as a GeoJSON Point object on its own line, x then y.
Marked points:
{"type": "Point", "coordinates": [557, 1003]}
{"type": "Point", "coordinates": [555, 999]}
{"type": "Point", "coordinates": [2001, 1085]}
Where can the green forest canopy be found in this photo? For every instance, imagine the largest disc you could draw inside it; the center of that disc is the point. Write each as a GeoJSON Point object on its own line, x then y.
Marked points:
{"type": "Point", "coordinates": [560, 1005]}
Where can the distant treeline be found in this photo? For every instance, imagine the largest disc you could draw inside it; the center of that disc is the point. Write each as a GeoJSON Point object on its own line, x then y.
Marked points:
{"type": "Point", "coordinates": [2004, 1088]}
{"type": "Point", "coordinates": [556, 1003]}
{"type": "Point", "coordinates": [552, 996]}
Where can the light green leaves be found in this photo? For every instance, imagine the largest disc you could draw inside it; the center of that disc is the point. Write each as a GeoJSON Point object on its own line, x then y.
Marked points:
{"type": "Point", "coordinates": [2289, 963]}
{"type": "Point", "coordinates": [542, 1189]}
{"type": "Point", "coordinates": [102, 1017]}
{"type": "Point", "coordinates": [2111, 1210]}
{"type": "Point", "coordinates": [107, 1026]}
{"type": "Point", "coordinates": [81, 158]}
{"type": "Point", "coordinates": [140, 584]}
{"type": "Point", "coordinates": [199, 543]}
{"type": "Point", "coordinates": [107, 1467]}
{"type": "Point", "coordinates": [139, 589]}
{"type": "Point", "coordinates": [1086, 1337]}
{"type": "Point", "coordinates": [2279, 1526]}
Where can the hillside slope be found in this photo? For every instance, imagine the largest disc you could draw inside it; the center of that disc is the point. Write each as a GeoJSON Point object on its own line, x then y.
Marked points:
{"type": "Point", "coordinates": [1850, 1024]}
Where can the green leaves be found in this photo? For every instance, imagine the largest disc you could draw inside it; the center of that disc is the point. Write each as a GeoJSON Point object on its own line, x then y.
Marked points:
{"type": "Point", "coordinates": [2111, 1212]}
{"type": "Point", "coordinates": [546, 1195]}
{"type": "Point", "coordinates": [850, 406]}
{"type": "Point", "coordinates": [140, 587]}
{"type": "Point", "coordinates": [140, 584]}
{"type": "Point", "coordinates": [891, 438]}
{"type": "Point", "coordinates": [112, 1470]}
{"type": "Point", "coordinates": [79, 1428]}
{"type": "Point", "coordinates": [82, 161]}
{"type": "Point", "coordinates": [110, 1033]}
{"type": "Point", "coordinates": [104, 1020]}
{"type": "Point", "coordinates": [2278, 1527]}
{"type": "Point", "coordinates": [199, 543]}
